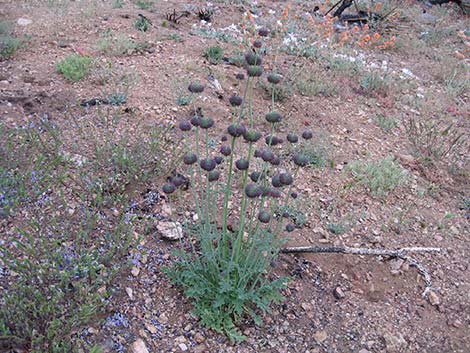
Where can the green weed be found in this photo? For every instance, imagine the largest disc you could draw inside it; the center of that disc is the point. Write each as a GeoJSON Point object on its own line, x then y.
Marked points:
{"type": "Point", "coordinates": [380, 177]}
{"type": "Point", "coordinates": [214, 54]}
{"type": "Point", "coordinates": [75, 67]}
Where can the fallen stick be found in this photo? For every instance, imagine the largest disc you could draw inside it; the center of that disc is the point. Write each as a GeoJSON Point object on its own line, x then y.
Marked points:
{"type": "Point", "coordinates": [400, 253]}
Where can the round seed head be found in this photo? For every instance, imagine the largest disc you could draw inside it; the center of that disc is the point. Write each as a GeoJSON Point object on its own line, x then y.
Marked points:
{"type": "Point", "coordinates": [254, 71]}
{"type": "Point", "coordinates": [213, 175]}
{"type": "Point", "coordinates": [253, 190]}
{"type": "Point", "coordinates": [273, 140]}
{"type": "Point", "coordinates": [235, 100]}
{"type": "Point", "coordinates": [225, 150]}
{"type": "Point", "coordinates": [276, 160]}
{"type": "Point", "coordinates": [207, 164]}
{"type": "Point", "coordinates": [240, 76]}
{"type": "Point", "coordinates": [307, 134]}
{"type": "Point", "coordinates": [190, 158]}
{"type": "Point", "coordinates": [255, 176]}
{"type": "Point", "coordinates": [195, 87]}
{"type": "Point", "coordinates": [242, 164]}
{"type": "Point", "coordinates": [274, 193]}
{"type": "Point", "coordinates": [168, 188]}
{"type": "Point", "coordinates": [292, 138]}
{"type": "Point", "coordinates": [253, 59]}
{"type": "Point", "coordinates": [257, 44]}
{"type": "Point", "coordinates": [286, 178]}
{"type": "Point", "coordinates": [273, 117]}
{"type": "Point", "coordinates": [294, 195]}
{"type": "Point", "coordinates": [252, 135]}
{"type": "Point", "coordinates": [206, 123]}
{"type": "Point", "coordinates": [185, 126]}
{"type": "Point", "coordinates": [267, 155]}
{"type": "Point", "coordinates": [177, 181]}
{"type": "Point", "coordinates": [264, 216]}
{"type": "Point", "coordinates": [300, 159]}
{"type": "Point", "coordinates": [236, 130]}
{"type": "Point", "coordinates": [258, 153]}
{"type": "Point", "coordinates": [266, 190]}
{"type": "Point", "coordinates": [263, 32]}
{"type": "Point", "coordinates": [196, 120]}
{"type": "Point", "coordinates": [218, 159]}
{"type": "Point", "coordinates": [224, 138]}
{"type": "Point", "coordinates": [274, 78]}
{"type": "Point", "coordinates": [290, 227]}
{"type": "Point", "coordinates": [276, 181]}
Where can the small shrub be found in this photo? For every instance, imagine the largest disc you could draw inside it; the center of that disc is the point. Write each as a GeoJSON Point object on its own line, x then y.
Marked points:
{"type": "Point", "coordinates": [386, 123]}
{"type": "Point", "coordinates": [434, 139]}
{"type": "Point", "coordinates": [9, 44]}
{"type": "Point", "coordinates": [59, 266]}
{"type": "Point", "coordinates": [142, 24]}
{"type": "Point", "coordinates": [75, 67]}
{"type": "Point", "coordinates": [337, 228]}
{"type": "Point", "coordinates": [144, 4]}
{"type": "Point", "coordinates": [117, 4]}
{"type": "Point", "coordinates": [379, 177]}
{"type": "Point", "coordinates": [29, 159]}
{"type": "Point", "coordinates": [374, 82]}
{"type": "Point", "coordinates": [214, 54]}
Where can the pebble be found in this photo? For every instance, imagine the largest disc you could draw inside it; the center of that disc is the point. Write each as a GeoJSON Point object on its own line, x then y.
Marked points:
{"type": "Point", "coordinates": [434, 298]}
{"type": "Point", "coordinates": [135, 271]}
{"type": "Point", "coordinates": [320, 336]}
{"type": "Point", "coordinates": [24, 22]}
{"type": "Point", "coordinates": [199, 338]}
{"type": "Point", "coordinates": [338, 293]}
{"type": "Point", "coordinates": [139, 347]}
{"type": "Point", "coordinates": [170, 230]}
{"type": "Point", "coordinates": [395, 343]}
{"type": "Point", "coordinates": [183, 347]}
{"type": "Point", "coordinates": [130, 293]}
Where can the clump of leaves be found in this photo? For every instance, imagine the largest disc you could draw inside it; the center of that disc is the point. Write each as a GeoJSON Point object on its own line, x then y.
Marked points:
{"type": "Point", "coordinates": [144, 4]}
{"type": "Point", "coordinates": [75, 67]}
{"type": "Point", "coordinates": [380, 177]}
{"type": "Point", "coordinates": [142, 23]}
{"type": "Point", "coordinates": [9, 43]}
{"type": "Point", "coordinates": [214, 54]}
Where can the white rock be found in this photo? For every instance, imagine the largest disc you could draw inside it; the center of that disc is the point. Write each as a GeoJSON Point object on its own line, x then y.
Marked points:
{"type": "Point", "coordinates": [170, 230]}
{"type": "Point", "coordinates": [139, 347]}
{"type": "Point", "coordinates": [130, 293]}
{"type": "Point", "coordinates": [183, 347]}
{"type": "Point", "coordinates": [24, 21]}
{"type": "Point", "coordinates": [135, 271]}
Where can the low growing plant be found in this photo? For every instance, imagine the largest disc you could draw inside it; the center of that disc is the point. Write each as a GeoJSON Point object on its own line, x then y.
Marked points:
{"type": "Point", "coordinates": [59, 270]}
{"type": "Point", "coordinates": [214, 54]}
{"type": "Point", "coordinates": [380, 177]}
{"type": "Point", "coordinates": [75, 67]}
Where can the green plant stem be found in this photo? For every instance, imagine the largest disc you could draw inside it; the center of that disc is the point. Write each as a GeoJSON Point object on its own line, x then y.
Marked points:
{"type": "Point", "coordinates": [228, 189]}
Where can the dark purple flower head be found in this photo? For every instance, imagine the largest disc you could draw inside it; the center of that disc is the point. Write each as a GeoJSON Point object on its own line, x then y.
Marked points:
{"type": "Point", "coordinates": [196, 87]}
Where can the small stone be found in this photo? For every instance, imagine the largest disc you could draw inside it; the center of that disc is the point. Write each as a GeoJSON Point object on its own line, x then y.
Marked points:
{"type": "Point", "coordinates": [457, 323]}
{"type": "Point", "coordinates": [163, 319]}
{"type": "Point", "coordinates": [396, 343]}
{"type": "Point", "coordinates": [395, 266]}
{"type": "Point", "coordinates": [24, 22]}
{"type": "Point", "coordinates": [139, 347]}
{"type": "Point", "coordinates": [130, 293]}
{"type": "Point", "coordinates": [199, 338]}
{"type": "Point", "coordinates": [434, 298]}
{"type": "Point", "coordinates": [152, 329]}
{"type": "Point", "coordinates": [183, 347]}
{"type": "Point", "coordinates": [135, 271]}
{"type": "Point", "coordinates": [338, 293]}
{"type": "Point", "coordinates": [170, 230]}
{"type": "Point", "coordinates": [320, 336]}
{"type": "Point", "coordinates": [363, 350]}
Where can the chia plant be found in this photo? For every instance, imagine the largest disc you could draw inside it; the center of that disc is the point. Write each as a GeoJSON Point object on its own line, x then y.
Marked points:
{"type": "Point", "coordinates": [237, 190]}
